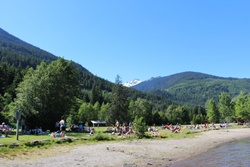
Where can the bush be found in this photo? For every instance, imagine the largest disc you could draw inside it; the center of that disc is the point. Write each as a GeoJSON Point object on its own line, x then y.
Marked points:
{"type": "Point", "coordinates": [140, 127]}
{"type": "Point", "coordinates": [100, 137]}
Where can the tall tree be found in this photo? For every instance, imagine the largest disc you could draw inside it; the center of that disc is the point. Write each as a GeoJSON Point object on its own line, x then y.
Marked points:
{"type": "Point", "coordinates": [103, 114]}
{"type": "Point", "coordinates": [225, 107]}
{"type": "Point", "coordinates": [213, 114]}
{"type": "Point", "coordinates": [119, 102]}
{"type": "Point", "coordinates": [96, 94]}
{"type": "Point", "coordinates": [242, 105]}
{"type": "Point", "coordinates": [87, 112]}
{"type": "Point", "coordinates": [170, 113]}
{"type": "Point", "coordinates": [143, 109]}
{"type": "Point", "coordinates": [47, 93]}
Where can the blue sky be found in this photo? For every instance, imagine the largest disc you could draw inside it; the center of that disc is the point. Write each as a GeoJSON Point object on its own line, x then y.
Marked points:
{"type": "Point", "coordinates": [137, 39]}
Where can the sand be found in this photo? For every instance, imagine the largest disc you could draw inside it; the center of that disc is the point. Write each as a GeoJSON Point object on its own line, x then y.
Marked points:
{"type": "Point", "coordinates": [136, 153]}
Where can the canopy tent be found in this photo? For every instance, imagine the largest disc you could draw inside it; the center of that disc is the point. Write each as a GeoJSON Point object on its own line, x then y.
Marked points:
{"type": "Point", "coordinates": [98, 123]}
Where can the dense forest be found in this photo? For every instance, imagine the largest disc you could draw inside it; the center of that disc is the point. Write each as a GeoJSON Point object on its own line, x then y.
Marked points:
{"type": "Point", "coordinates": [45, 87]}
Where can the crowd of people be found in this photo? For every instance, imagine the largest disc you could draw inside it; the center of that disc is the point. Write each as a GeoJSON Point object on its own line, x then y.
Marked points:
{"type": "Point", "coordinates": [121, 130]}
{"type": "Point", "coordinates": [118, 129]}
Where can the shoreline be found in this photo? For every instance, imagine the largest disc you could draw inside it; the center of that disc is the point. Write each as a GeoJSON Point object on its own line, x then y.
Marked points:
{"type": "Point", "coordinates": [139, 153]}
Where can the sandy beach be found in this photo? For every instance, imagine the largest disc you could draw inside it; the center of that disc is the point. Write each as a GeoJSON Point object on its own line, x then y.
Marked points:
{"type": "Point", "coordinates": [136, 153]}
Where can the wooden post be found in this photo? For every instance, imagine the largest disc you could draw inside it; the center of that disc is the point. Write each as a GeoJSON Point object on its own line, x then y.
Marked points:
{"type": "Point", "coordinates": [17, 129]}
{"type": "Point", "coordinates": [17, 116]}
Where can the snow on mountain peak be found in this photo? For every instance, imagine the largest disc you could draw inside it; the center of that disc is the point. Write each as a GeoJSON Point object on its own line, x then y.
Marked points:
{"type": "Point", "coordinates": [132, 83]}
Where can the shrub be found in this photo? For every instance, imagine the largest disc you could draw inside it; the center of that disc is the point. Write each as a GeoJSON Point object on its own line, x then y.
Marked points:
{"type": "Point", "coordinates": [139, 126]}
{"type": "Point", "coordinates": [100, 137]}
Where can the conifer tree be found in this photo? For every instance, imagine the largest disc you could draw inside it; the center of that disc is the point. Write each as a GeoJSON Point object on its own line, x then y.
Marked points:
{"type": "Point", "coordinates": [213, 114]}
{"type": "Point", "coordinates": [119, 102]}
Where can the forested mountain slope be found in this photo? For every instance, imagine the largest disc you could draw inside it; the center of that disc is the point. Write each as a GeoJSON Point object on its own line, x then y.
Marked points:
{"type": "Point", "coordinates": [193, 87]}
{"type": "Point", "coordinates": [17, 55]}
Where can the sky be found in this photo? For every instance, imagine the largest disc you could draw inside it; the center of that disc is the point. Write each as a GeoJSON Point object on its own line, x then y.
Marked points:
{"type": "Point", "coordinates": [137, 39]}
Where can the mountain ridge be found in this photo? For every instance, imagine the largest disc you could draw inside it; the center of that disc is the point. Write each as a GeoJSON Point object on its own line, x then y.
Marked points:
{"type": "Point", "coordinates": [194, 87]}
{"type": "Point", "coordinates": [9, 42]}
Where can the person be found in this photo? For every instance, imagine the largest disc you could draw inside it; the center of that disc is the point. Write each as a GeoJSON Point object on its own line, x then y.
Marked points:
{"type": "Point", "coordinates": [130, 131]}
{"type": "Point", "coordinates": [62, 127]}
{"type": "Point", "coordinates": [5, 129]}
{"type": "Point", "coordinates": [92, 131]}
{"type": "Point", "coordinates": [117, 124]}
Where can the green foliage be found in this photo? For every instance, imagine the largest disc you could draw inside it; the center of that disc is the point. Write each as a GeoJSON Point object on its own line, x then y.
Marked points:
{"type": "Point", "coordinates": [47, 93]}
{"type": "Point", "coordinates": [100, 137]}
{"type": "Point", "coordinates": [86, 113]}
{"type": "Point", "coordinates": [225, 107]}
{"type": "Point", "coordinates": [119, 102]}
{"type": "Point", "coordinates": [141, 108]}
{"type": "Point", "coordinates": [197, 119]}
{"type": "Point", "coordinates": [139, 127]}
{"type": "Point", "coordinates": [242, 105]}
{"type": "Point", "coordinates": [104, 113]}
{"type": "Point", "coordinates": [213, 114]}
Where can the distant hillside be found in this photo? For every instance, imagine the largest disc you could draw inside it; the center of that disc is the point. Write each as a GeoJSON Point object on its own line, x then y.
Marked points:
{"type": "Point", "coordinates": [12, 43]}
{"type": "Point", "coordinates": [193, 87]}
{"type": "Point", "coordinates": [20, 55]}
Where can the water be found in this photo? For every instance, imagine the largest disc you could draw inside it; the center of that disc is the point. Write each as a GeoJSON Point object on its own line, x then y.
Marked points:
{"type": "Point", "coordinates": [233, 154]}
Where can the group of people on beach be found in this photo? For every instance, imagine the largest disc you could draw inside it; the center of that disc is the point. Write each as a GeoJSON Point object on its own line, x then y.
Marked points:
{"type": "Point", "coordinates": [173, 128]}
{"type": "Point", "coordinates": [121, 130]}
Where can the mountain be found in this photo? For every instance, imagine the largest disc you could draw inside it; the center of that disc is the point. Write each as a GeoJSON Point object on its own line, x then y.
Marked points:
{"type": "Point", "coordinates": [20, 53]}
{"type": "Point", "coordinates": [132, 83]}
{"type": "Point", "coordinates": [5, 36]}
{"type": "Point", "coordinates": [194, 87]}
{"type": "Point", "coordinates": [16, 56]}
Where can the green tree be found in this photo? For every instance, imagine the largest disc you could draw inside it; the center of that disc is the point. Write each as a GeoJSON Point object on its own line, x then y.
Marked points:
{"type": "Point", "coordinates": [86, 112]}
{"type": "Point", "coordinates": [185, 119]}
{"type": "Point", "coordinates": [143, 109]}
{"type": "Point", "coordinates": [103, 114]}
{"type": "Point", "coordinates": [47, 93]}
{"type": "Point", "coordinates": [139, 126]}
{"type": "Point", "coordinates": [177, 115]}
{"type": "Point", "coordinates": [170, 113]}
{"type": "Point", "coordinates": [96, 95]}
{"type": "Point", "coordinates": [119, 102]}
{"type": "Point", "coordinates": [225, 107]}
{"type": "Point", "coordinates": [242, 105]}
{"type": "Point", "coordinates": [159, 118]}
{"type": "Point", "coordinates": [213, 114]}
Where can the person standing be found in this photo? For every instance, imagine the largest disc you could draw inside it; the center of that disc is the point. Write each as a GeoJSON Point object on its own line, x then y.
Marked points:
{"type": "Point", "coordinates": [62, 127]}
